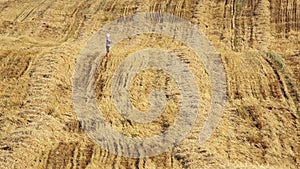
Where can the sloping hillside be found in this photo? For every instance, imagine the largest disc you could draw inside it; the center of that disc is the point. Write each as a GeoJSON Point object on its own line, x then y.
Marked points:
{"type": "Point", "coordinates": [258, 41]}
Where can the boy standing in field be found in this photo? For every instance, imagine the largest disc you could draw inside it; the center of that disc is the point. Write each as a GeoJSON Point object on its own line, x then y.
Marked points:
{"type": "Point", "coordinates": [108, 42]}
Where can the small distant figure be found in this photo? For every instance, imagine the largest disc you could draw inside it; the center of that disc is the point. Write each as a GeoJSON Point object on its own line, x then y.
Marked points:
{"type": "Point", "coordinates": [108, 42]}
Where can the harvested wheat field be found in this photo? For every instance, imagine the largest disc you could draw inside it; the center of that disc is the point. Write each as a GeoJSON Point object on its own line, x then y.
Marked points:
{"type": "Point", "coordinates": [257, 41]}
